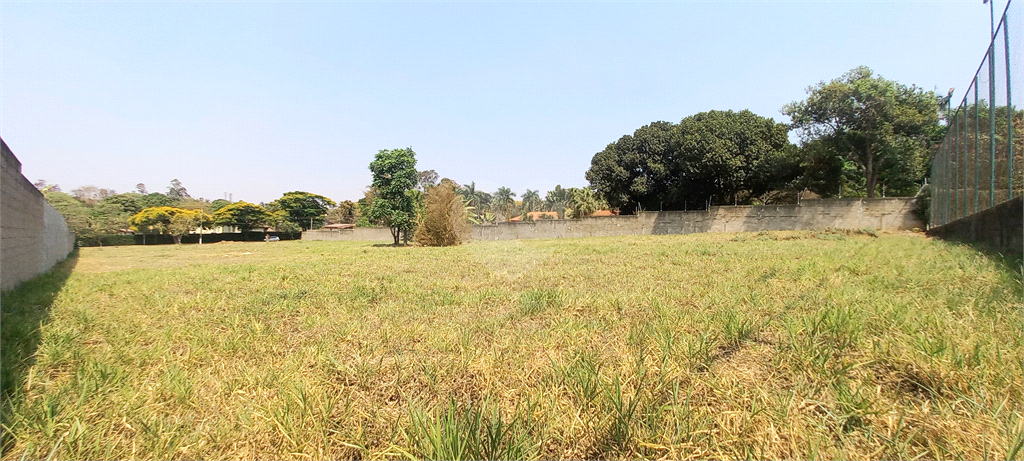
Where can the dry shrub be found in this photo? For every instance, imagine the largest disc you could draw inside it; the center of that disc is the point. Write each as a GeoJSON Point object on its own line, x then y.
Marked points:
{"type": "Point", "coordinates": [444, 220]}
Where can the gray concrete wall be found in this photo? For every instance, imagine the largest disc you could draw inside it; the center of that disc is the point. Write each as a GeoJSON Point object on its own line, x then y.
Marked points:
{"type": "Point", "coordinates": [33, 235]}
{"type": "Point", "coordinates": [1000, 227]}
{"type": "Point", "coordinates": [372, 234]}
{"type": "Point", "coordinates": [882, 213]}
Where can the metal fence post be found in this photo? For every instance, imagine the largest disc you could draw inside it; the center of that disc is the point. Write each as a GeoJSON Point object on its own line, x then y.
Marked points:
{"type": "Point", "coordinates": [977, 187]}
{"type": "Point", "coordinates": [992, 121]}
{"type": "Point", "coordinates": [963, 122]}
{"type": "Point", "coordinates": [1009, 105]}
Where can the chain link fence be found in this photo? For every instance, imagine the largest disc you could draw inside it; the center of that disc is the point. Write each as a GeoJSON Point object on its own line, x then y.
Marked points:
{"type": "Point", "coordinates": [980, 163]}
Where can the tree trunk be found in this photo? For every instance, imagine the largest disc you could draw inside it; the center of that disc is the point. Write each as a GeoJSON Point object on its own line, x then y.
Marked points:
{"type": "Point", "coordinates": [177, 239]}
{"type": "Point", "coordinates": [395, 233]}
{"type": "Point", "coordinates": [870, 176]}
{"type": "Point", "coordinates": [870, 179]}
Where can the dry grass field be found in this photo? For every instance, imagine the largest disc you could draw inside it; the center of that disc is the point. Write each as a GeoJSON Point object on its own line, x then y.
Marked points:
{"type": "Point", "coordinates": [826, 345]}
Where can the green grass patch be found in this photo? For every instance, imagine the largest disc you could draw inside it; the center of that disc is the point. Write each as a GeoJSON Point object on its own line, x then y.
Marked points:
{"type": "Point", "coordinates": [831, 344]}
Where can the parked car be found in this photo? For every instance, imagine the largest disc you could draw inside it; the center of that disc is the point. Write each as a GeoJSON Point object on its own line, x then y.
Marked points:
{"type": "Point", "coordinates": [273, 238]}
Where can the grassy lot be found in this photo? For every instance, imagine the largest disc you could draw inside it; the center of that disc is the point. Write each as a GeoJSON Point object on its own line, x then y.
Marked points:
{"type": "Point", "coordinates": [782, 345]}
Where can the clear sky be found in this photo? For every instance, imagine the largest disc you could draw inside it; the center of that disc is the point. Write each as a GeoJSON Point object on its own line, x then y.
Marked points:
{"type": "Point", "coordinates": [260, 98]}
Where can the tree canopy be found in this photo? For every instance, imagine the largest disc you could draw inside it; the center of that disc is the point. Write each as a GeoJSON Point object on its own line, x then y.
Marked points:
{"type": "Point", "coordinates": [713, 156]}
{"type": "Point", "coordinates": [394, 176]}
{"type": "Point", "coordinates": [165, 220]}
{"type": "Point", "coordinates": [303, 208]}
{"type": "Point", "coordinates": [243, 215]}
{"type": "Point", "coordinates": [884, 127]}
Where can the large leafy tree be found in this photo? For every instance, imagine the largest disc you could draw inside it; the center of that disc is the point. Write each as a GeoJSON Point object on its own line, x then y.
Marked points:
{"type": "Point", "coordinates": [243, 215]}
{"type": "Point", "coordinates": [303, 208]}
{"type": "Point", "coordinates": [884, 127]}
{"type": "Point", "coordinates": [394, 176]}
{"type": "Point", "coordinates": [165, 220]}
{"type": "Point", "coordinates": [154, 199]}
{"type": "Point", "coordinates": [218, 204]}
{"type": "Point", "coordinates": [126, 203]}
{"type": "Point", "coordinates": [716, 156]}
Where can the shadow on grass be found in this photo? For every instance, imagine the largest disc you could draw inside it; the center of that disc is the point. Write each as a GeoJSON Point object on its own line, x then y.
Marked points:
{"type": "Point", "coordinates": [25, 310]}
{"type": "Point", "coordinates": [1012, 263]}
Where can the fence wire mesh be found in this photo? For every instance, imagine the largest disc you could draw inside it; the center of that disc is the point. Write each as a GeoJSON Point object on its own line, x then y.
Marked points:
{"type": "Point", "coordinates": [980, 162]}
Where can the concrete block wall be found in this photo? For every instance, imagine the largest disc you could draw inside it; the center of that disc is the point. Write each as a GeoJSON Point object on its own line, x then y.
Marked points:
{"type": "Point", "coordinates": [33, 235]}
{"type": "Point", "coordinates": [883, 213]}
{"type": "Point", "coordinates": [372, 234]}
{"type": "Point", "coordinates": [1000, 227]}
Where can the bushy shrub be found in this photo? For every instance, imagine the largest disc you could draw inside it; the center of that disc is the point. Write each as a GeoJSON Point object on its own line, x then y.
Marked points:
{"type": "Point", "coordinates": [444, 221]}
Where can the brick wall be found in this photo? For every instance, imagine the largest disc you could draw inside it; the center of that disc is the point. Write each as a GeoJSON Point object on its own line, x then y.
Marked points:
{"type": "Point", "coordinates": [33, 235]}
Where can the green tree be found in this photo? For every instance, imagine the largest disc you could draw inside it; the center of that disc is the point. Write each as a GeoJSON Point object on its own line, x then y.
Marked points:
{"type": "Point", "coordinates": [195, 204]}
{"type": "Point", "coordinates": [557, 199]}
{"type": "Point", "coordinates": [243, 215]}
{"type": "Point", "coordinates": [154, 199]}
{"type": "Point", "coordinates": [878, 124]}
{"type": "Point", "coordinates": [282, 222]}
{"type": "Point", "coordinates": [108, 218]}
{"type": "Point", "coordinates": [531, 200]}
{"type": "Point", "coordinates": [164, 220]}
{"type": "Point", "coordinates": [218, 204]}
{"type": "Point", "coordinates": [347, 212]}
{"type": "Point", "coordinates": [183, 223]}
{"type": "Point", "coordinates": [716, 156]}
{"type": "Point", "coordinates": [127, 203]}
{"type": "Point", "coordinates": [394, 175]}
{"type": "Point", "coordinates": [822, 169]}
{"type": "Point", "coordinates": [303, 208]}
{"type": "Point", "coordinates": [504, 201]}
{"type": "Point", "coordinates": [474, 197]}
{"type": "Point", "coordinates": [582, 203]}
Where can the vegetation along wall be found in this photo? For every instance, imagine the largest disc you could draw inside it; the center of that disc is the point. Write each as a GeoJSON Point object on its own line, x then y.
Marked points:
{"type": "Point", "coordinates": [33, 235]}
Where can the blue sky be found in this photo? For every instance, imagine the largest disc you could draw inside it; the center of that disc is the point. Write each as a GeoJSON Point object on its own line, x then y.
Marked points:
{"type": "Point", "coordinates": [260, 98]}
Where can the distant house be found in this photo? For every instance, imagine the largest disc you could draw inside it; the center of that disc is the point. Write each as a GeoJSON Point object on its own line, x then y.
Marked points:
{"type": "Point", "coordinates": [338, 226]}
{"type": "Point", "coordinates": [537, 216]}
{"type": "Point", "coordinates": [604, 213]}
{"type": "Point", "coordinates": [221, 230]}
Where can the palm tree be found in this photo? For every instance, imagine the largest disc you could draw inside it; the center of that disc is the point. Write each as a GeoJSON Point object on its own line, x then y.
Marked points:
{"type": "Point", "coordinates": [471, 195]}
{"type": "Point", "coordinates": [583, 202]}
{"type": "Point", "coordinates": [504, 199]}
{"type": "Point", "coordinates": [531, 200]}
{"type": "Point", "coordinates": [557, 199]}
